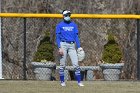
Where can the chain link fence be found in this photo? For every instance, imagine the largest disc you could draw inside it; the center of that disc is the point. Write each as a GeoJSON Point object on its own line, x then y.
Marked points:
{"type": "Point", "coordinates": [21, 38]}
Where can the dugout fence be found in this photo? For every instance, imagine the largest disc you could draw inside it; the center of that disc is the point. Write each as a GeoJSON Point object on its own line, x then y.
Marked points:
{"type": "Point", "coordinates": [23, 33]}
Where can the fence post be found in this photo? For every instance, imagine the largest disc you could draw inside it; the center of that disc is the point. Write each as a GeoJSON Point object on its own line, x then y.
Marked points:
{"type": "Point", "coordinates": [1, 77]}
{"type": "Point", "coordinates": [24, 61]}
{"type": "Point", "coordinates": [0, 48]}
{"type": "Point", "coordinates": [138, 48]}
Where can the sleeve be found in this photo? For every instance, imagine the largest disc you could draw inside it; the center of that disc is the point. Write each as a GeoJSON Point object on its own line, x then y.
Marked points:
{"type": "Point", "coordinates": [58, 36]}
{"type": "Point", "coordinates": [77, 37]}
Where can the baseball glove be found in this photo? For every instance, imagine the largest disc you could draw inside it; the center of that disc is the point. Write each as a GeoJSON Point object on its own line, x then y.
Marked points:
{"type": "Point", "coordinates": [80, 54]}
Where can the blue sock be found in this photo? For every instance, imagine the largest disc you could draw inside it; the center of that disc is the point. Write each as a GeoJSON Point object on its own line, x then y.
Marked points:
{"type": "Point", "coordinates": [78, 75]}
{"type": "Point", "coordinates": [61, 73]}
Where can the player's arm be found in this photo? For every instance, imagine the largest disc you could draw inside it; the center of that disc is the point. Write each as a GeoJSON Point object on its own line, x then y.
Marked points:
{"type": "Point", "coordinates": [58, 36]}
{"type": "Point", "coordinates": [58, 33]}
{"type": "Point", "coordinates": [77, 37]}
{"type": "Point", "coordinates": [80, 51]}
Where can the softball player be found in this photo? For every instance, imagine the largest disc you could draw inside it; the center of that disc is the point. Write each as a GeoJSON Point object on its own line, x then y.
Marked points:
{"type": "Point", "coordinates": [66, 38]}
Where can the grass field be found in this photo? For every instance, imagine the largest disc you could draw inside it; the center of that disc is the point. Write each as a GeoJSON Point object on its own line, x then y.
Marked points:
{"type": "Point", "coordinates": [8, 86]}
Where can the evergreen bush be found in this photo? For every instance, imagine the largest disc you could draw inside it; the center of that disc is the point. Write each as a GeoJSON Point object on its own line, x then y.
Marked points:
{"type": "Point", "coordinates": [112, 52]}
{"type": "Point", "coordinates": [45, 50]}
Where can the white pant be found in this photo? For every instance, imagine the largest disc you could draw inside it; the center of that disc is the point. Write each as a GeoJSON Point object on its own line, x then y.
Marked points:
{"type": "Point", "coordinates": [69, 48]}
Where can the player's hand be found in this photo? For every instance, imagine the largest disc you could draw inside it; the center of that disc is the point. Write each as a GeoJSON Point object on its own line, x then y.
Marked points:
{"type": "Point", "coordinates": [61, 51]}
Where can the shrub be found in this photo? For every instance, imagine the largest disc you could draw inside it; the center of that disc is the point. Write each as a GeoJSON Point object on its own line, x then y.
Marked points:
{"type": "Point", "coordinates": [45, 50]}
{"type": "Point", "coordinates": [112, 52]}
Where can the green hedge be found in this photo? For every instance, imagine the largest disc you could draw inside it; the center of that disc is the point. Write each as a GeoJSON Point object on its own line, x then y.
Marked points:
{"type": "Point", "coordinates": [45, 50]}
{"type": "Point", "coordinates": [112, 52]}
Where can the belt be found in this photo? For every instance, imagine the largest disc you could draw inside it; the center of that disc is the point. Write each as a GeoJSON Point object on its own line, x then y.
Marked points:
{"type": "Point", "coordinates": [70, 42]}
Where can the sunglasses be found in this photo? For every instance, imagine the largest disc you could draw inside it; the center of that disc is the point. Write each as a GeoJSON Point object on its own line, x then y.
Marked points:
{"type": "Point", "coordinates": [67, 15]}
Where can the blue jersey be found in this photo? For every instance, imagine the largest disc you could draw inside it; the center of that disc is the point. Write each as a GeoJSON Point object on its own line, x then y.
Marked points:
{"type": "Point", "coordinates": [67, 32]}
